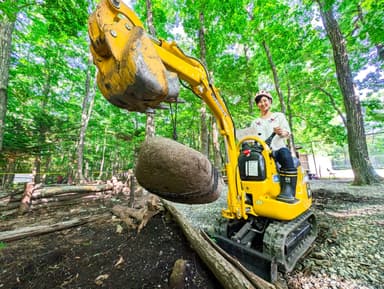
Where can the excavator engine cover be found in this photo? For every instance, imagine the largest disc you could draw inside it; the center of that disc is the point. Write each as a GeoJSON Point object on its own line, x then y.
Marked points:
{"type": "Point", "coordinates": [130, 75]}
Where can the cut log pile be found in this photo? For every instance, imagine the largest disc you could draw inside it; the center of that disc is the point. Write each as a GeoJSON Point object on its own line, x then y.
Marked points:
{"type": "Point", "coordinates": [36, 196]}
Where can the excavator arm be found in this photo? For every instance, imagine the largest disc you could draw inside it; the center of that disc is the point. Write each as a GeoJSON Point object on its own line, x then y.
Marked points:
{"type": "Point", "coordinates": [137, 71]}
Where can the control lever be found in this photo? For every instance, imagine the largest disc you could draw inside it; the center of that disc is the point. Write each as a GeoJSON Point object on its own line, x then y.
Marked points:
{"type": "Point", "coordinates": [268, 141]}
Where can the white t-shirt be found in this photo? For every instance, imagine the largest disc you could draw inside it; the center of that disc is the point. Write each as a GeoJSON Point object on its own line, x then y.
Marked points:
{"type": "Point", "coordinates": [263, 128]}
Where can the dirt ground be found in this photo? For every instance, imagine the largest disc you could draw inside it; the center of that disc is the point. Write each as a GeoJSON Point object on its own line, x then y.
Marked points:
{"type": "Point", "coordinates": [106, 254]}
{"type": "Point", "coordinates": [98, 255]}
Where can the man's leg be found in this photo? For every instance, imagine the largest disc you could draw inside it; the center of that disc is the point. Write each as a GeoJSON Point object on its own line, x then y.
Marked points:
{"type": "Point", "coordinates": [288, 176]}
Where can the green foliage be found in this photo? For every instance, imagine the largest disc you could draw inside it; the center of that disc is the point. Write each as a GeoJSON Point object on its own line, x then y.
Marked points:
{"type": "Point", "coordinates": [50, 60]}
{"type": "Point", "coordinates": [65, 17]}
{"type": "Point", "coordinates": [2, 245]}
{"type": "Point", "coordinates": [374, 108]}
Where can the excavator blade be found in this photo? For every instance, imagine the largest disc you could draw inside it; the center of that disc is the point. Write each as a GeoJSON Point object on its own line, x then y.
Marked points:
{"type": "Point", "coordinates": [131, 74]}
{"type": "Point", "coordinates": [256, 262]}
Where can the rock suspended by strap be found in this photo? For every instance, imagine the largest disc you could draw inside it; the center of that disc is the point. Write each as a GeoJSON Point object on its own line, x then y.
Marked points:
{"type": "Point", "coordinates": [177, 173]}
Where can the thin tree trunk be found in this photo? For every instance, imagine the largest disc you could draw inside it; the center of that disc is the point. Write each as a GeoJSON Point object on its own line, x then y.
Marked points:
{"type": "Point", "coordinates": [150, 123]}
{"type": "Point", "coordinates": [103, 154]}
{"type": "Point", "coordinates": [151, 27]}
{"type": "Point", "coordinates": [85, 116]}
{"type": "Point", "coordinates": [332, 99]}
{"type": "Point", "coordinates": [216, 145]}
{"type": "Point", "coordinates": [204, 134]}
{"type": "Point", "coordinates": [291, 140]}
{"type": "Point", "coordinates": [42, 126]}
{"type": "Point", "coordinates": [275, 76]}
{"type": "Point", "coordinates": [6, 29]}
{"type": "Point", "coordinates": [251, 98]}
{"type": "Point", "coordinates": [131, 191]}
{"type": "Point", "coordinates": [36, 171]}
{"type": "Point", "coordinates": [279, 93]}
{"type": "Point", "coordinates": [46, 168]}
{"type": "Point", "coordinates": [358, 151]}
{"type": "Point", "coordinates": [10, 171]}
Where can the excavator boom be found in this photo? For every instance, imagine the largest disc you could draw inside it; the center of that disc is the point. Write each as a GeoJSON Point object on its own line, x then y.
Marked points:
{"type": "Point", "coordinates": [138, 72]}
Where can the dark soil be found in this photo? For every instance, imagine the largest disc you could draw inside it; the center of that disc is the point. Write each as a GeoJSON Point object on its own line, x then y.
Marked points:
{"type": "Point", "coordinates": [347, 254]}
{"type": "Point", "coordinates": [95, 255]}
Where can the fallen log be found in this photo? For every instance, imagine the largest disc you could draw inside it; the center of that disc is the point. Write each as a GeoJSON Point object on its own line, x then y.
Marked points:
{"type": "Point", "coordinates": [10, 206]}
{"type": "Point", "coordinates": [226, 273]}
{"type": "Point", "coordinates": [10, 198]}
{"type": "Point", "coordinates": [59, 204]}
{"type": "Point", "coordinates": [10, 212]}
{"type": "Point", "coordinates": [68, 196]}
{"type": "Point", "coordinates": [9, 202]}
{"type": "Point", "coordinates": [25, 232]}
{"type": "Point", "coordinates": [176, 172]}
{"type": "Point", "coordinates": [53, 191]}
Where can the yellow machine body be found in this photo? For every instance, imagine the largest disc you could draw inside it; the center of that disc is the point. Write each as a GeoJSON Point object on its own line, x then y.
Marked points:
{"type": "Point", "coordinates": [137, 72]}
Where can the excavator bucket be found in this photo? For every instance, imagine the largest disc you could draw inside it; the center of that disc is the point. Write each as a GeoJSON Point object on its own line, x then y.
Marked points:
{"type": "Point", "coordinates": [130, 75]}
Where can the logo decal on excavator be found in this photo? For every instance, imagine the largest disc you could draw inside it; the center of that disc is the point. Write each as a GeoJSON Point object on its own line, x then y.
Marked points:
{"type": "Point", "coordinates": [259, 202]}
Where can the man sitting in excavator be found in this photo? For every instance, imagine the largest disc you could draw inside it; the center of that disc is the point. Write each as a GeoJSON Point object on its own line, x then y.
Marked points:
{"type": "Point", "coordinates": [275, 123]}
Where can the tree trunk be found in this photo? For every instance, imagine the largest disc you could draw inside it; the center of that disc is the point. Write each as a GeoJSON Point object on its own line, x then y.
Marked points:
{"type": "Point", "coordinates": [204, 134]}
{"type": "Point", "coordinates": [150, 123]}
{"type": "Point", "coordinates": [131, 191]}
{"type": "Point", "coordinates": [332, 99]}
{"type": "Point", "coordinates": [291, 140]}
{"type": "Point", "coordinates": [10, 171]}
{"type": "Point", "coordinates": [275, 76]}
{"type": "Point", "coordinates": [42, 125]}
{"type": "Point", "coordinates": [6, 29]}
{"type": "Point", "coordinates": [249, 80]}
{"type": "Point", "coordinates": [103, 154]}
{"type": "Point", "coordinates": [358, 151]}
{"type": "Point", "coordinates": [279, 93]}
{"type": "Point", "coordinates": [36, 171]}
{"type": "Point", "coordinates": [151, 27]}
{"type": "Point", "coordinates": [85, 116]}
{"type": "Point", "coordinates": [46, 168]}
{"type": "Point", "coordinates": [216, 145]}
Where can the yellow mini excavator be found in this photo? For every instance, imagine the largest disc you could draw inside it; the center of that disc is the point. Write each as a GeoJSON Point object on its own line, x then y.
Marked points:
{"type": "Point", "coordinates": [137, 72]}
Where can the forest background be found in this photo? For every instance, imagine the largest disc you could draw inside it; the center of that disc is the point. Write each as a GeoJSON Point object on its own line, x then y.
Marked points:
{"type": "Point", "coordinates": [55, 123]}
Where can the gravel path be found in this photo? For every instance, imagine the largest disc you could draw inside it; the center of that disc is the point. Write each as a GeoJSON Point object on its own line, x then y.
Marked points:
{"type": "Point", "coordinates": [349, 251]}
